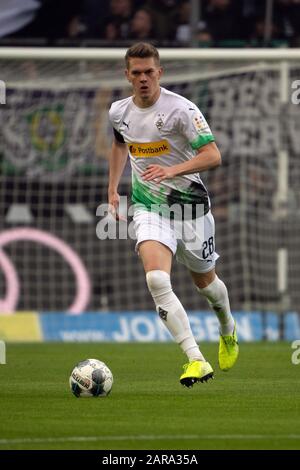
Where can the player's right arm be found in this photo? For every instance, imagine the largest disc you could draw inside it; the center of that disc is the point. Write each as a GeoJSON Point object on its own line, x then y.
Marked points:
{"type": "Point", "coordinates": [117, 161]}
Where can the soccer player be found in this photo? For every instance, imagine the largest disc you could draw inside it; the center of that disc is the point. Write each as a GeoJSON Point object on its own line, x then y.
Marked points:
{"type": "Point", "coordinates": [169, 143]}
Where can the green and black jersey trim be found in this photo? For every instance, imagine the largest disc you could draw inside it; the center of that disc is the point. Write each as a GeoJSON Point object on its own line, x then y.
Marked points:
{"type": "Point", "coordinates": [201, 141]}
{"type": "Point", "coordinates": [195, 195]}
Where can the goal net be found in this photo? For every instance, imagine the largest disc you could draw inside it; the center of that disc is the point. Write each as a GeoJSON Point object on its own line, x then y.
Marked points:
{"type": "Point", "coordinates": [54, 144]}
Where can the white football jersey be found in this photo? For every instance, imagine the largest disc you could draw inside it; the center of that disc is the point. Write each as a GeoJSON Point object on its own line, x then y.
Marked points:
{"type": "Point", "coordinates": [167, 133]}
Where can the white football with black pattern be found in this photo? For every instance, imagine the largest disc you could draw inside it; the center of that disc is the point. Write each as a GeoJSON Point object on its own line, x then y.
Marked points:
{"type": "Point", "coordinates": [91, 378]}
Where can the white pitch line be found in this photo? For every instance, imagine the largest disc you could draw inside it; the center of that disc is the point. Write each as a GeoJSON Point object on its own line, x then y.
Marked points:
{"type": "Point", "coordinates": [222, 437]}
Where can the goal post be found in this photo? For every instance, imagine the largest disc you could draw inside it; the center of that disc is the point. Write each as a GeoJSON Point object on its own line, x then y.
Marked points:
{"type": "Point", "coordinates": [54, 144]}
{"type": "Point", "coordinates": [108, 54]}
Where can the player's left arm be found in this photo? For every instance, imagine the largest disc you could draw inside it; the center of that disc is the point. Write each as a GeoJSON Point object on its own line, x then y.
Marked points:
{"type": "Point", "coordinates": [207, 157]}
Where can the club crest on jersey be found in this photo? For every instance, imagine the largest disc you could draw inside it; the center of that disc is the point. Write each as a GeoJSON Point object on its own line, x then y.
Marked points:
{"type": "Point", "coordinates": [160, 123]}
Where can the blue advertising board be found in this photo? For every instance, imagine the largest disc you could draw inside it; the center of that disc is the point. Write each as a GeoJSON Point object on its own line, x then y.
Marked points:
{"type": "Point", "coordinates": [146, 326]}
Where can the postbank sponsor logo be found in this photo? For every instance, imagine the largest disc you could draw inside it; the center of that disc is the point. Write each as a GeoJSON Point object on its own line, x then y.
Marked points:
{"type": "Point", "coordinates": [149, 149]}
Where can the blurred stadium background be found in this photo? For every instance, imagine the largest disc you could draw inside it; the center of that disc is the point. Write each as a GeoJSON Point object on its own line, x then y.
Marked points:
{"type": "Point", "coordinates": [62, 66]}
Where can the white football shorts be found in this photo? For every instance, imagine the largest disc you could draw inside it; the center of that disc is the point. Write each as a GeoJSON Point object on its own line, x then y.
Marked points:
{"type": "Point", "coordinates": [192, 241]}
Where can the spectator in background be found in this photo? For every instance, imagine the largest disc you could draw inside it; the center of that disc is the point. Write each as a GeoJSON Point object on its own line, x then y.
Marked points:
{"type": "Point", "coordinates": [287, 18]}
{"type": "Point", "coordinates": [183, 30]}
{"type": "Point", "coordinates": [50, 19]}
{"type": "Point", "coordinates": [121, 15]}
{"type": "Point", "coordinates": [112, 22]}
{"type": "Point", "coordinates": [258, 34]}
{"type": "Point", "coordinates": [222, 20]}
{"type": "Point", "coordinates": [161, 20]}
{"type": "Point", "coordinates": [94, 17]}
{"type": "Point", "coordinates": [112, 32]}
{"type": "Point", "coordinates": [182, 20]}
{"type": "Point", "coordinates": [246, 11]}
{"type": "Point", "coordinates": [203, 35]}
{"type": "Point", "coordinates": [142, 26]}
{"type": "Point", "coordinates": [163, 13]}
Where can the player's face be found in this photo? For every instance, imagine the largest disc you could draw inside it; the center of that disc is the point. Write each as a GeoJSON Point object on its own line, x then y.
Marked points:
{"type": "Point", "coordinates": [144, 76]}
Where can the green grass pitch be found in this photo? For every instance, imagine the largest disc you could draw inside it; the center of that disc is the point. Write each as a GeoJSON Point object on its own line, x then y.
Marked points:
{"type": "Point", "coordinates": [254, 406]}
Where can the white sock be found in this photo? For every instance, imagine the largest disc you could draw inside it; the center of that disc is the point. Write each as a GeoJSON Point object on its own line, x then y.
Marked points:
{"type": "Point", "coordinates": [172, 313]}
{"type": "Point", "coordinates": [217, 297]}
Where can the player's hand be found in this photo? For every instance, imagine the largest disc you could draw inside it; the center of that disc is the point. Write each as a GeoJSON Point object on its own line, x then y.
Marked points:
{"type": "Point", "coordinates": [157, 173]}
{"type": "Point", "coordinates": [114, 202]}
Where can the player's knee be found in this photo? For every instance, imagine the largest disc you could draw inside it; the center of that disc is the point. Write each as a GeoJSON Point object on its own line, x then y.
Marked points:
{"type": "Point", "coordinates": [158, 282]}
